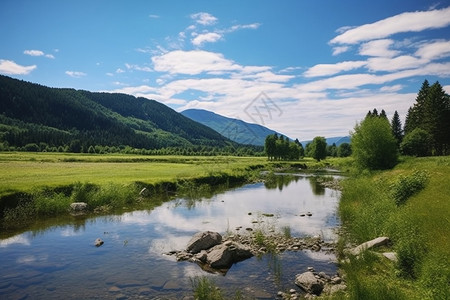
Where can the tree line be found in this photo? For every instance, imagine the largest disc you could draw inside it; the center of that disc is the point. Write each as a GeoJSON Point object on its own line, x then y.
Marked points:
{"type": "Point", "coordinates": [281, 148]}
{"type": "Point", "coordinates": [377, 143]}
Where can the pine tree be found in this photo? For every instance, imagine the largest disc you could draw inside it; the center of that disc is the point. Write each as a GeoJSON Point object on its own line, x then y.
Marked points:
{"type": "Point", "coordinates": [414, 118]}
{"type": "Point", "coordinates": [431, 112]}
{"type": "Point", "coordinates": [396, 126]}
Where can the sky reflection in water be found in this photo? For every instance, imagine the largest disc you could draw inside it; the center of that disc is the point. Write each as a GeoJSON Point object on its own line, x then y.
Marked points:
{"type": "Point", "coordinates": [62, 261]}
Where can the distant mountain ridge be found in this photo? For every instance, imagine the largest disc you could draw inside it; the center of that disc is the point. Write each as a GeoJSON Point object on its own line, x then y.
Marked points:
{"type": "Point", "coordinates": [234, 129]}
{"type": "Point", "coordinates": [32, 113]}
{"type": "Point", "coordinates": [333, 140]}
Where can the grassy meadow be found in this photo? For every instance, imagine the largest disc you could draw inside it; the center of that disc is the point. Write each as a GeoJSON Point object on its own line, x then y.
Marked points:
{"type": "Point", "coordinates": [24, 172]}
{"type": "Point", "coordinates": [418, 226]}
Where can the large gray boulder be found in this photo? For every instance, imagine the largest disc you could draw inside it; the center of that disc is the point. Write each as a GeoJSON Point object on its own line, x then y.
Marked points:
{"type": "Point", "coordinates": [309, 283]}
{"type": "Point", "coordinates": [225, 255]}
{"type": "Point", "coordinates": [203, 241]}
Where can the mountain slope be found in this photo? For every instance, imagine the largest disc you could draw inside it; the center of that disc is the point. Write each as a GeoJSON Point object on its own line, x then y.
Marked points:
{"type": "Point", "coordinates": [234, 129]}
{"type": "Point", "coordinates": [31, 113]}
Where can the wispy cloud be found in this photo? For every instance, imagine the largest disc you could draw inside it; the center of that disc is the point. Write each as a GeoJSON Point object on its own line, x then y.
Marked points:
{"type": "Point", "coordinates": [75, 74]}
{"type": "Point", "coordinates": [204, 18]}
{"type": "Point", "coordinates": [153, 16]}
{"type": "Point", "coordinates": [209, 37]}
{"type": "Point", "coordinates": [331, 69]}
{"type": "Point", "coordinates": [9, 67]}
{"type": "Point", "coordinates": [405, 22]}
{"type": "Point", "coordinates": [138, 68]}
{"type": "Point", "coordinates": [38, 53]}
{"type": "Point", "coordinates": [434, 50]}
{"type": "Point", "coordinates": [378, 48]}
{"type": "Point", "coordinates": [192, 62]}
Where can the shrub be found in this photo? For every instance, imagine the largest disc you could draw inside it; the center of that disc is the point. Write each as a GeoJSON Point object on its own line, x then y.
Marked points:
{"type": "Point", "coordinates": [416, 143]}
{"type": "Point", "coordinates": [408, 185]}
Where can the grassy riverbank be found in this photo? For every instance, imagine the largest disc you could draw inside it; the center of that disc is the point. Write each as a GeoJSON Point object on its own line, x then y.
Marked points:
{"type": "Point", "coordinates": [36, 185]}
{"type": "Point", "coordinates": [379, 204]}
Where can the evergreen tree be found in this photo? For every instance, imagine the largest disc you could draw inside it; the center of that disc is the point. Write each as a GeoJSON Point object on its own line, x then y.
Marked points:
{"type": "Point", "coordinates": [431, 112]}
{"type": "Point", "coordinates": [415, 113]}
{"type": "Point", "coordinates": [396, 126]}
{"type": "Point", "coordinates": [383, 114]}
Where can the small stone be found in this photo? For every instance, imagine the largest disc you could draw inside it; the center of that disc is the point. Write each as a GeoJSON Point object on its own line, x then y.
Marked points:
{"type": "Point", "coordinates": [292, 291]}
{"type": "Point", "coordinates": [311, 269]}
{"type": "Point", "coordinates": [98, 242]}
{"type": "Point", "coordinates": [114, 289]}
{"type": "Point", "coordinates": [336, 280]}
{"type": "Point", "coordinates": [280, 294]}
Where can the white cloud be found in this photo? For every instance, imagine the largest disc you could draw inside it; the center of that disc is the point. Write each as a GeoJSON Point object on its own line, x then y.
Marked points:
{"type": "Point", "coordinates": [204, 18]}
{"type": "Point", "coordinates": [434, 50]}
{"type": "Point", "coordinates": [340, 49]}
{"type": "Point", "coordinates": [75, 74]}
{"type": "Point", "coordinates": [394, 64]}
{"type": "Point", "coordinates": [331, 69]}
{"type": "Point", "coordinates": [192, 62]}
{"type": "Point", "coordinates": [152, 16]}
{"type": "Point", "coordinates": [245, 26]}
{"type": "Point", "coordinates": [38, 53]}
{"type": "Point", "coordinates": [137, 68]}
{"type": "Point", "coordinates": [9, 67]}
{"type": "Point", "coordinates": [378, 48]}
{"type": "Point", "coordinates": [119, 70]}
{"type": "Point", "coordinates": [209, 37]}
{"type": "Point", "coordinates": [391, 89]}
{"type": "Point", "coordinates": [33, 52]}
{"type": "Point", "coordinates": [405, 22]}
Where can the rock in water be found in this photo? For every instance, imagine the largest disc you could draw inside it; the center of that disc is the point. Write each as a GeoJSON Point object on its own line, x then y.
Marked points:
{"type": "Point", "coordinates": [203, 241]}
{"type": "Point", "coordinates": [98, 242]}
{"type": "Point", "coordinates": [224, 256]}
{"type": "Point", "coordinates": [308, 282]}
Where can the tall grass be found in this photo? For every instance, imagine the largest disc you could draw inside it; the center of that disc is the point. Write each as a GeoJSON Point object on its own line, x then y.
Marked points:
{"type": "Point", "coordinates": [410, 205]}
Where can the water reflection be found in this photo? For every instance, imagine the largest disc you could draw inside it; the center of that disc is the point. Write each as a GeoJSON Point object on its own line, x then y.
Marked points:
{"type": "Point", "coordinates": [62, 262]}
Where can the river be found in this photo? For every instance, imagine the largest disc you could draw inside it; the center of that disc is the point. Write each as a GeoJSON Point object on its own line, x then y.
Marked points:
{"type": "Point", "coordinates": [61, 261]}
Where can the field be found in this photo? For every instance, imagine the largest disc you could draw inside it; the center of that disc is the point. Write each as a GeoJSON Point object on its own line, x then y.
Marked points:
{"type": "Point", "coordinates": [24, 172]}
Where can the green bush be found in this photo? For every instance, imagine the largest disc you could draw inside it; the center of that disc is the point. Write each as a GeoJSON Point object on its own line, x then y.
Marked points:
{"type": "Point", "coordinates": [408, 185]}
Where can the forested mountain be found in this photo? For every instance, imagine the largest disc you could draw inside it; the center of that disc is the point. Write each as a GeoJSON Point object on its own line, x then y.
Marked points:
{"type": "Point", "coordinates": [234, 129]}
{"type": "Point", "coordinates": [55, 117]}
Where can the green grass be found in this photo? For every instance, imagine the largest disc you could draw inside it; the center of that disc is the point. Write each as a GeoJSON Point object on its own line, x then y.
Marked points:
{"type": "Point", "coordinates": [419, 229]}
{"type": "Point", "coordinates": [22, 172]}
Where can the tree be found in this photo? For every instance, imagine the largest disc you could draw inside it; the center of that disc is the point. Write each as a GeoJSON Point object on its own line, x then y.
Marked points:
{"type": "Point", "coordinates": [332, 150]}
{"type": "Point", "coordinates": [416, 143]}
{"type": "Point", "coordinates": [396, 126]}
{"type": "Point", "coordinates": [431, 112]}
{"type": "Point", "coordinates": [270, 146]}
{"type": "Point", "coordinates": [319, 148]}
{"type": "Point", "coordinates": [344, 150]}
{"type": "Point", "coordinates": [373, 144]}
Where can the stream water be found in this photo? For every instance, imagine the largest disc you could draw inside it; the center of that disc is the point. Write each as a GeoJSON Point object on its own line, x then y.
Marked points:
{"type": "Point", "coordinates": [61, 261]}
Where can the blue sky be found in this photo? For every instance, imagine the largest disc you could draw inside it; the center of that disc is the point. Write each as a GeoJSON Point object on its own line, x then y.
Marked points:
{"type": "Point", "coordinates": [303, 68]}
